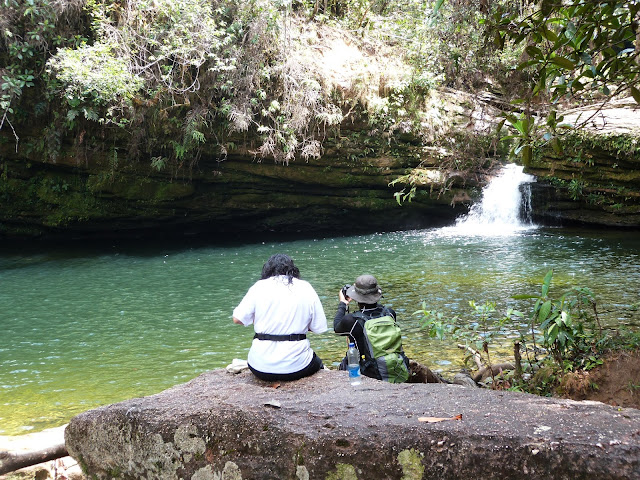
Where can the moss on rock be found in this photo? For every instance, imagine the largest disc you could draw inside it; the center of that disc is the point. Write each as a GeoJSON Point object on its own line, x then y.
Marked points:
{"type": "Point", "coordinates": [411, 462]}
{"type": "Point", "coordinates": [343, 471]}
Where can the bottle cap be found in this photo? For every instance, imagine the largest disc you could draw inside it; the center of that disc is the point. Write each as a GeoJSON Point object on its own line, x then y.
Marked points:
{"type": "Point", "coordinates": [351, 344]}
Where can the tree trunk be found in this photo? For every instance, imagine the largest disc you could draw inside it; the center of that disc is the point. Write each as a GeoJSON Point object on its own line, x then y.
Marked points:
{"type": "Point", "coordinates": [518, 358]}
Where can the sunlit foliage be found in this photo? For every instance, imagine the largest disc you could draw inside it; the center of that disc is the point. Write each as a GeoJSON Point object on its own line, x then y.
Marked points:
{"type": "Point", "coordinates": [579, 52]}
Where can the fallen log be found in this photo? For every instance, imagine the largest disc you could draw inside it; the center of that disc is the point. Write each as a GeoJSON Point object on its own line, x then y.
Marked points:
{"type": "Point", "coordinates": [496, 369]}
{"type": "Point", "coordinates": [10, 462]}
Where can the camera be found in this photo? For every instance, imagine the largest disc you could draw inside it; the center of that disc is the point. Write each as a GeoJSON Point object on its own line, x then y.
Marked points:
{"type": "Point", "coordinates": [344, 290]}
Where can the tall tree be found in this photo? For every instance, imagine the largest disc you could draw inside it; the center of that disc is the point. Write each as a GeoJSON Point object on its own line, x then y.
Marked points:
{"type": "Point", "coordinates": [579, 51]}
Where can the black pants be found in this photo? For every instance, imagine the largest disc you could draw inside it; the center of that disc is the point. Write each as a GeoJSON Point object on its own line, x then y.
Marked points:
{"type": "Point", "coordinates": [315, 365]}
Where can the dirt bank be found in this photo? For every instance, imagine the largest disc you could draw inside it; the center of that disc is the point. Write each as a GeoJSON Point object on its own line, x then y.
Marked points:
{"type": "Point", "coordinates": [616, 382]}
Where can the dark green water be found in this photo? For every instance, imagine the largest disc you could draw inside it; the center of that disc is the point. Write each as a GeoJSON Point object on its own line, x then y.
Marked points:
{"type": "Point", "coordinates": [81, 329]}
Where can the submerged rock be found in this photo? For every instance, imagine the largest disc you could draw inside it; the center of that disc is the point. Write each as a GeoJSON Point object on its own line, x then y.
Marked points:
{"type": "Point", "coordinates": [223, 426]}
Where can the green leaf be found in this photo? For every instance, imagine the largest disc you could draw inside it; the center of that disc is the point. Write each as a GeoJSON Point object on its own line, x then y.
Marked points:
{"type": "Point", "coordinates": [552, 333]}
{"type": "Point", "coordinates": [571, 29]}
{"type": "Point", "coordinates": [626, 51]}
{"type": "Point", "coordinates": [635, 93]}
{"type": "Point", "coordinates": [586, 58]}
{"type": "Point", "coordinates": [552, 118]}
{"type": "Point", "coordinates": [545, 309]}
{"type": "Point", "coordinates": [567, 321]}
{"type": "Point", "coordinates": [528, 63]}
{"type": "Point", "coordinates": [509, 137]}
{"type": "Point", "coordinates": [533, 51]}
{"type": "Point", "coordinates": [576, 85]}
{"type": "Point", "coordinates": [562, 338]}
{"type": "Point", "coordinates": [563, 62]}
{"type": "Point", "coordinates": [544, 325]}
{"type": "Point", "coordinates": [524, 297]}
{"type": "Point", "coordinates": [546, 282]}
{"type": "Point", "coordinates": [549, 35]}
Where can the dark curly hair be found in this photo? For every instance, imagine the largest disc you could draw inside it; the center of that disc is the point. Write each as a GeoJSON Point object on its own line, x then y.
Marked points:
{"type": "Point", "coordinates": [280, 264]}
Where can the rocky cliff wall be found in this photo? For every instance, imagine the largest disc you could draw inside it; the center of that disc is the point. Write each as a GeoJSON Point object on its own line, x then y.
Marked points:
{"type": "Point", "coordinates": [95, 195]}
{"type": "Point", "coordinates": [91, 191]}
{"type": "Point", "coordinates": [595, 179]}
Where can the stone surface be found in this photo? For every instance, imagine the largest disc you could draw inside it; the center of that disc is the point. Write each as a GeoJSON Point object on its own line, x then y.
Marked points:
{"type": "Point", "coordinates": [226, 426]}
{"type": "Point", "coordinates": [83, 196]}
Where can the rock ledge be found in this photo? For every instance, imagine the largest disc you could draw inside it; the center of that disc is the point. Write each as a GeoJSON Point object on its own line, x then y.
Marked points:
{"type": "Point", "coordinates": [226, 426]}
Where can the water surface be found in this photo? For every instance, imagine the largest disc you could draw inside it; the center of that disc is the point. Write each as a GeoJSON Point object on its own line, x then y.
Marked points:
{"type": "Point", "coordinates": [88, 327]}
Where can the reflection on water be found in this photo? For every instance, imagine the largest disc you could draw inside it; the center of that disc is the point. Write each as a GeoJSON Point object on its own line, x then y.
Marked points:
{"type": "Point", "coordinates": [86, 328]}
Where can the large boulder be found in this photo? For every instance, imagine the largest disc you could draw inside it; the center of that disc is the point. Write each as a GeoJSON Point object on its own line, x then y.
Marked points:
{"type": "Point", "coordinates": [226, 426]}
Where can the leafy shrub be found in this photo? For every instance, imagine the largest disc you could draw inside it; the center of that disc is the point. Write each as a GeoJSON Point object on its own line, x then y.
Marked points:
{"type": "Point", "coordinates": [90, 76]}
{"type": "Point", "coordinates": [569, 324]}
{"type": "Point", "coordinates": [477, 335]}
{"type": "Point", "coordinates": [564, 333]}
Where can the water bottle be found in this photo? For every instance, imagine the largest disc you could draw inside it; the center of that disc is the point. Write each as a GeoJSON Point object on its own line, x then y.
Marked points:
{"type": "Point", "coordinates": [353, 364]}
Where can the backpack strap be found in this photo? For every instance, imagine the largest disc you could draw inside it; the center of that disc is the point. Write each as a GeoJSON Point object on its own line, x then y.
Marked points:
{"type": "Point", "coordinates": [384, 312]}
{"type": "Point", "coordinates": [368, 361]}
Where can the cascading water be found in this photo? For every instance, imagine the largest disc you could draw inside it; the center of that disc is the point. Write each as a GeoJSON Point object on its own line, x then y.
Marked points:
{"type": "Point", "coordinates": [505, 202]}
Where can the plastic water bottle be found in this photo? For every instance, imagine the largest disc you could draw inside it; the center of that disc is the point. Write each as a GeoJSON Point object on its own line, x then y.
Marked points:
{"type": "Point", "coordinates": [353, 364]}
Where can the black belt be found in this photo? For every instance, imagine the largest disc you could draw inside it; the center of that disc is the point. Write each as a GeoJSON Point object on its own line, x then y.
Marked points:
{"type": "Point", "coordinates": [281, 338]}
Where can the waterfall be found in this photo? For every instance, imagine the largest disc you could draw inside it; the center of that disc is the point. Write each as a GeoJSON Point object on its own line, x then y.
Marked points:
{"type": "Point", "coordinates": [505, 206]}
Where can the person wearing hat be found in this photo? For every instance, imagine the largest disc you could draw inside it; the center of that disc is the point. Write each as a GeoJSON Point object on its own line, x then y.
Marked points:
{"type": "Point", "coordinates": [367, 293]}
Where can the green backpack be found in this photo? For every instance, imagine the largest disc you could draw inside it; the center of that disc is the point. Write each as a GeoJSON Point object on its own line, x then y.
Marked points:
{"type": "Point", "coordinates": [384, 344]}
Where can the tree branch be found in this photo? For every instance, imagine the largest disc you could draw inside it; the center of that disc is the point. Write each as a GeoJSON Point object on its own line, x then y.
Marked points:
{"type": "Point", "coordinates": [10, 462]}
{"type": "Point", "coordinates": [475, 354]}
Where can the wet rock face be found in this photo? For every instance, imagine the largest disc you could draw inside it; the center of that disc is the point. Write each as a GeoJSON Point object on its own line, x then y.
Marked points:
{"type": "Point", "coordinates": [342, 191]}
{"type": "Point", "coordinates": [552, 206]}
{"type": "Point", "coordinates": [225, 426]}
{"type": "Point", "coordinates": [595, 181]}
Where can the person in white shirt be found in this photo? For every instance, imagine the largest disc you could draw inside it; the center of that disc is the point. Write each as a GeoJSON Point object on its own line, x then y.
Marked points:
{"type": "Point", "coordinates": [282, 309]}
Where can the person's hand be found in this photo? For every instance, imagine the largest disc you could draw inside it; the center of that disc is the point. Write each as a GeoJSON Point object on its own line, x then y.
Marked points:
{"type": "Point", "coordinates": [343, 299]}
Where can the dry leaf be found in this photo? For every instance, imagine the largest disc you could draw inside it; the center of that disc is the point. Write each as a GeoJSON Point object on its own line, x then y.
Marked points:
{"type": "Point", "coordinates": [439, 419]}
{"type": "Point", "coordinates": [274, 385]}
